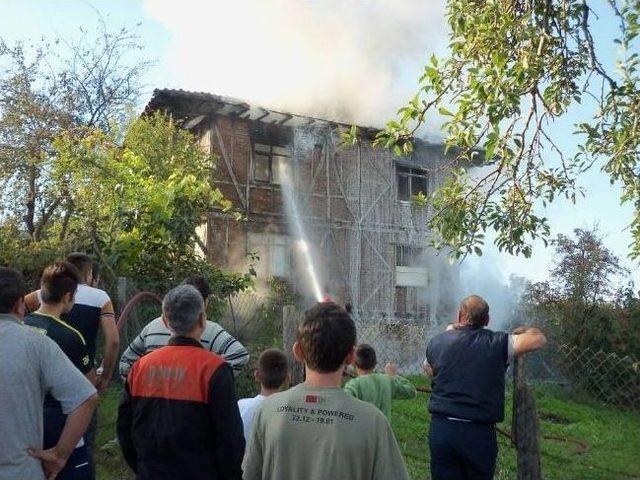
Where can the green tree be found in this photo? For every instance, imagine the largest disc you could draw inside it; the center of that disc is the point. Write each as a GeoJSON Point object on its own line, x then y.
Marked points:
{"type": "Point", "coordinates": [585, 302]}
{"type": "Point", "coordinates": [138, 203]}
{"type": "Point", "coordinates": [514, 67]}
{"type": "Point", "coordinates": [49, 87]}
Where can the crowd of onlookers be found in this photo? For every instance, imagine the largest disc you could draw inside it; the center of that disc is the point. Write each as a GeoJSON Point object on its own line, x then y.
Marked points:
{"type": "Point", "coordinates": [179, 417]}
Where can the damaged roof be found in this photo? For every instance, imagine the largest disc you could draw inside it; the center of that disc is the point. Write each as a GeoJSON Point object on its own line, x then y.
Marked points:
{"type": "Point", "coordinates": [189, 108]}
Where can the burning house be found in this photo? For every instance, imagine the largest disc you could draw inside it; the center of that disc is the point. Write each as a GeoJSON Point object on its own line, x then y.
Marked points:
{"type": "Point", "coordinates": [303, 196]}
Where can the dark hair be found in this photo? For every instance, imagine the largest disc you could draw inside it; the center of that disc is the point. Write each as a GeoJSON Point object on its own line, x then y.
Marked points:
{"type": "Point", "coordinates": [476, 310]}
{"type": "Point", "coordinates": [366, 357]}
{"type": "Point", "coordinates": [81, 261]}
{"type": "Point", "coordinates": [201, 284]}
{"type": "Point", "coordinates": [326, 336]}
{"type": "Point", "coordinates": [273, 368]}
{"type": "Point", "coordinates": [57, 280]}
{"type": "Point", "coordinates": [12, 289]}
{"type": "Point", "coordinates": [348, 308]}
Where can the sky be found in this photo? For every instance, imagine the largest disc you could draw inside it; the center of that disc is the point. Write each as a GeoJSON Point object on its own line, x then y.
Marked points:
{"type": "Point", "coordinates": [329, 57]}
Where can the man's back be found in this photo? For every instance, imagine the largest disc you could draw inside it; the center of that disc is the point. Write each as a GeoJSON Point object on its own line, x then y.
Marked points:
{"type": "Point", "coordinates": [180, 418]}
{"type": "Point", "coordinates": [31, 365]}
{"type": "Point", "coordinates": [469, 367]}
{"type": "Point", "coordinates": [380, 389]}
{"type": "Point", "coordinates": [321, 433]}
{"type": "Point", "coordinates": [156, 335]}
{"type": "Point", "coordinates": [91, 304]}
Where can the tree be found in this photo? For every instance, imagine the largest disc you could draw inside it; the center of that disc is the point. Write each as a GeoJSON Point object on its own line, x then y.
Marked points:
{"type": "Point", "coordinates": [138, 203]}
{"type": "Point", "coordinates": [46, 89]}
{"type": "Point", "coordinates": [513, 69]}
{"type": "Point", "coordinates": [585, 300]}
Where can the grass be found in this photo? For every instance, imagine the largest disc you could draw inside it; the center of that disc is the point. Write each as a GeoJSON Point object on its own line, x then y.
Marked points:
{"type": "Point", "coordinates": [613, 437]}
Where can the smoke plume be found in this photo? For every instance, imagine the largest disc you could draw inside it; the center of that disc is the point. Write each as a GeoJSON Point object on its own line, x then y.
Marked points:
{"type": "Point", "coordinates": [354, 61]}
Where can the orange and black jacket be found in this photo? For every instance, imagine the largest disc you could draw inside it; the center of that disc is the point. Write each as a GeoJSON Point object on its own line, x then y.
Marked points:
{"type": "Point", "coordinates": [179, 417]}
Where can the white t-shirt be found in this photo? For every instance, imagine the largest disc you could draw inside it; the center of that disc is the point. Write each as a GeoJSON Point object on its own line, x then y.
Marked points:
{"type": "Point", "coordinates": [248, 407]}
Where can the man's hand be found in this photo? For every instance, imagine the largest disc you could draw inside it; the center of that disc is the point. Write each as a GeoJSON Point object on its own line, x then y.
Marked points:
{"type": "Point", "coordinates": [527, 339]}
{"type": "Point", "coordinates": [52, 461]}
{"type": "Point", "coordinates": [391, 369]}
{"type": "Point", "coordinates": [426, 368]}
{"type": "Point", "coordinates": [102, 383]}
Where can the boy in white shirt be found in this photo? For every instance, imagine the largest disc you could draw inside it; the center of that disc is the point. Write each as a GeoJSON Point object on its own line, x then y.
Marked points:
{"type": "Point", "coordinates": [271, 374]}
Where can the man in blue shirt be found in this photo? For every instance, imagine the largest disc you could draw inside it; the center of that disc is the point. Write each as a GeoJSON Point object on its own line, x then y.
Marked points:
{"type": "Point", "coordinates": [468, 363]}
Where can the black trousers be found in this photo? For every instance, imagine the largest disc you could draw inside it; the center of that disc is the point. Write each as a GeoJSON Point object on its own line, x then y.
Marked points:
{"type": "Point", "coordinates": [462, 450]}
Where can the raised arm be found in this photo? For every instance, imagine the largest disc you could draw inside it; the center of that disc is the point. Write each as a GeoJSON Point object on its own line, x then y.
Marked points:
{"type": "Point", "coordinates": [527, 339]}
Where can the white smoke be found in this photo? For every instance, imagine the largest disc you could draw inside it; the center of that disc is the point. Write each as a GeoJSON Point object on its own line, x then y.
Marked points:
{"type": "Point", "coordinates": [354, 61]}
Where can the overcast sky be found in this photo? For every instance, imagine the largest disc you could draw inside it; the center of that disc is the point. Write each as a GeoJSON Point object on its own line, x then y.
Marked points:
{"type": "Point", "coordinates": [332, 55]}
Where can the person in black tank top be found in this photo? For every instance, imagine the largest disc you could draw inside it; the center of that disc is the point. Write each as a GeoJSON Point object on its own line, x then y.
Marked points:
{"type": "Point", "coordinates": [467, 364]}
{"type": "Point", "coordinates": [58, 286]}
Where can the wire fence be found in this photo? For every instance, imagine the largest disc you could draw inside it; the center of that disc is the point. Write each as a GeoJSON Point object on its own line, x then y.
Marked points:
{"type": "Point", "coordinates": [256, 320]}
{"type": "Point", "coordinates": [610, 378]}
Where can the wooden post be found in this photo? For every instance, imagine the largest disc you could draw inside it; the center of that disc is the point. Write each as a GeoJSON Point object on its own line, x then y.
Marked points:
{"type": "Point", "coordinates": [122, 292]}
{"type": "Point", "coordinates": [291, 319]}
{"type": "Point", "coordinates": [526, 427]}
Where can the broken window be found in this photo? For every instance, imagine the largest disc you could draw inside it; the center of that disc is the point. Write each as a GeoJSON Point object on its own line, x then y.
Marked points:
{"type": "Point", "coordinates": [269, 162]}
{"type": "Point", "coordinates": [411, 182]}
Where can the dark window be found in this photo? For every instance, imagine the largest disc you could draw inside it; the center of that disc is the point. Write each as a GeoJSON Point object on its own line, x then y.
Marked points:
{"type": "Point", "coordinates": [410, 304]}
{"type": "Point", "coordinates": [268, 162]}
{"type": "Point", "coordinates": [407, 256]}
{"type": "Point", "coordinates": [411, 182]}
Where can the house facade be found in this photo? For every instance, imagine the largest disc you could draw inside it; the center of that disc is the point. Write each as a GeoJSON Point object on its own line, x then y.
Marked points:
{"type": "Point", "coordinates": [368, 241]}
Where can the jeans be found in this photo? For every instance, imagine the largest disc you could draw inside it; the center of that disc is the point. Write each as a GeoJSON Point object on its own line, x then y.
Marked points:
{"type": "Point", "coordinates": [462, 450]}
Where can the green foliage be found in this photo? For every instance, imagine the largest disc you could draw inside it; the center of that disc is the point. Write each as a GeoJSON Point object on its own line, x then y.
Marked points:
{"type": "Point", "coordinates": [512, 70]}
{"type": "Point", "coordinates": [47, 88]}
{"type": "Point", "coordinates": [585, 304]}
{"type": "Point", "coordinates": [139, 204]}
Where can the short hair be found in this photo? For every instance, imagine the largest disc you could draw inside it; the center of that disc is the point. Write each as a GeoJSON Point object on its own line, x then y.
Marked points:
{"type": "Point", "coordinates": [476, 309]}
{"type": "Point", "coordinates": [273, 368]}
{"type": "Point", "coordinates": [12, 289]}
{"type": "Point", "coordinates": [326, 336]}
{"type": "Point", "coordinates": [201, 284]}
{"type": "Point", "coordinates": [366, 357]}
{"type": "Point", "coordinates": [57, 280]}
{"type": "Point", "coordinates": [81, 261]}
{"type": "Point", "coordinates": [182, 308]}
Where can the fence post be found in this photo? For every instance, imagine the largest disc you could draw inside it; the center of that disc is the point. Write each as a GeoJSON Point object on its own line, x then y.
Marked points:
{"type": "Point", "coordinates": [122, 296]}
{"type": "Point", "coordinates": [291, 319]}
{"type": "Point", "coordinates": [525, 427]}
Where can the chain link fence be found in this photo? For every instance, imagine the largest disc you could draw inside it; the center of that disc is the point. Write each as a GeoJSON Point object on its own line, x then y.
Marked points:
{"type": "Point", "coordinates": [606, 376]}
{"type": "Point", "coordinates": [256, 320]}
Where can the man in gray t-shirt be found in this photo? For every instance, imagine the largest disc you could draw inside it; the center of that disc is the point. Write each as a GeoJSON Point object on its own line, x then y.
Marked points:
{"type": "Point", "coordinates": [316, 430]}
{"type": "Point", "coordinates": [32, 365]}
